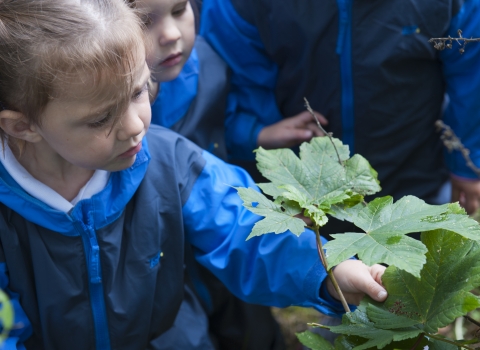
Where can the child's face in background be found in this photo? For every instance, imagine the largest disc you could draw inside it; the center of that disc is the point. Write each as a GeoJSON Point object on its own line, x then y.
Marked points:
{"type": "Point", "coordinates": [171, 33]}
{"type": "Point", "coordinates": [76, 131]}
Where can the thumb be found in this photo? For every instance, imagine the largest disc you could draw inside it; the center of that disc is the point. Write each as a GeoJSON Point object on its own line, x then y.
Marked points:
{"type": "Point", "coordinates": [372, 285]}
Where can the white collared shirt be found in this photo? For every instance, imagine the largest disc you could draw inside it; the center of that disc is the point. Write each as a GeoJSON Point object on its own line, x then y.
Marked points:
{"type": "Point", "coordinates": [42, 192]}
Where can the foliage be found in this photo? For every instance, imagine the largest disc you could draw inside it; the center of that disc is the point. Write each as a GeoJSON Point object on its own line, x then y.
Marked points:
{"type": "Point", "coordinates": [428, 281]}
{"type": "Point", "coordinates": [6, 316]}
{"type": "Point", "coordinates": [311, 184]}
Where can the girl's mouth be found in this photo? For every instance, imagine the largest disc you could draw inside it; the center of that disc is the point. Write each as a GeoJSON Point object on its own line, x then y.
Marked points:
{"type": "Point", "coordinates": [132, 151]}
{"type": "Point", "coordinates": [171, 60]}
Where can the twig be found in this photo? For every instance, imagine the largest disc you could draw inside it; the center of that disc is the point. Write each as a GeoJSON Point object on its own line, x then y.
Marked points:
{"type": "Point", "coordinates": [475, 322]}
{"type": "Point", "coordinates": [453, 143]}
{"type": "Point", "coordinates": [449, 341]}
{"type": "Point", "coordinates": [441, 43]}
{"type": "Point", "coordinates": [329, 134]}
{"type": "Point", "coordinates": [318, 325]}
{"type": "Point", "coordinates": [323, 259]}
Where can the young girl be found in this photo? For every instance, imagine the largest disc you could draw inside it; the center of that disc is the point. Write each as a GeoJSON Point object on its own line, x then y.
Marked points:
{"type": "Point", "coordinates": [95, 211]}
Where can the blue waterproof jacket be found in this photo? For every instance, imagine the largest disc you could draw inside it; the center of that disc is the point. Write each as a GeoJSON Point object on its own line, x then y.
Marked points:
{"type": "Point", "coordinates": [195, 103]}
{"type": "Point", "coordinates": [110, 273]}
{"type": "Point", "coordinates": [367, 66]}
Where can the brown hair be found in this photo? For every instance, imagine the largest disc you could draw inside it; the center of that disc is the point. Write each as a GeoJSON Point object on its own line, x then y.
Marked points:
{"type": "Point", "coordinates": [195, 4]}
{"type": "Point", "coordinates": [47, 43]}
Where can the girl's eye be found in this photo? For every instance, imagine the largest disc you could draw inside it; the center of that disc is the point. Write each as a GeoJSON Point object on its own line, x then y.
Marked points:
{"type": "Point", "coordinates": [100, 123]}
{"type": "Point", "coordinates": [139, 93]}
{"type": "Point", "coordinates": [148, 19]}
{"type": "Point", "coordinates": [179, 11]}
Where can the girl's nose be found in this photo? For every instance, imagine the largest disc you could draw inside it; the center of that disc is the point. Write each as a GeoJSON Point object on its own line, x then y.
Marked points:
{"type": "Point", "coordinates": [169, 33]}
{"type": "Point", "coordinates": [129, 126]}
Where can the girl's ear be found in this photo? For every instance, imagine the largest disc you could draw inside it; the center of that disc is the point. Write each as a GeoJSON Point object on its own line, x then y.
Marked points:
{"type": "Point", "coordinates": [16, 124]}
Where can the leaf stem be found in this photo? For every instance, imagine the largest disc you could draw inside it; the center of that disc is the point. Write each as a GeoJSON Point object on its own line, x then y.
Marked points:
{"type": "Point", "coordinates": [448, 341]}
{"type": "Point", "coordinates": [475, 322]}
{"type": "Point", "coordinates": [419, 339]}
{"type": "Point", "coordinates": [318, 325]}
{"type": "Point", "coordinates": [329, 134]}
{"type": "Point", "coordinates": [323, 259]}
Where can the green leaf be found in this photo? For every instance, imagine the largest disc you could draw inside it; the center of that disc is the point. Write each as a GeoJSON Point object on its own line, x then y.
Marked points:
{"type": "Point", "coordinates": [6, 315]}
{"type": "Point", "coordinates": [344, 342]}
{"type": "Point", "coordinates": [315, 181]}
{"type": "Point", "coordinates": [442, 293]}
{"type": "Point", "coordinates": [384, 319]}
{"type": "Point", "coordinates": [318, 171]}
{"type": "Point", "coordinates": [314, 341]}
{"type": "Point", "coordinates": [276, 220]}
{"type": "Point", "coordinates": [358, 324]}
{"type": "Point", "coordinates": [402, 251]}
{"type": "Point", "coordinates": [385, 224]}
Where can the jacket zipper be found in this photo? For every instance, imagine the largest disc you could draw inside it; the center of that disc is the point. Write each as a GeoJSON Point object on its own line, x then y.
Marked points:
{"type": "Point", "coordinates": [344, 50]}
{"type": "Point", "coordinates": [97, 301]}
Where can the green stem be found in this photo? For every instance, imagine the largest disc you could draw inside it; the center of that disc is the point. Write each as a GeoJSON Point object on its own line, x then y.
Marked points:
{"type": "Point", "coordinates": [323, 259]}
{"type": "Point", "coordinates": [318, 325]}
{"type": "Point", "coordinates": [448, 341]}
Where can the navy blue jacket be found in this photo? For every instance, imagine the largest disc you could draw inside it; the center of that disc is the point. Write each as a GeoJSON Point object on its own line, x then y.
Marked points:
{"type": "Point", "coordinates": [110, 273]}
{"type": "Point", "coordinates": [367, 66]}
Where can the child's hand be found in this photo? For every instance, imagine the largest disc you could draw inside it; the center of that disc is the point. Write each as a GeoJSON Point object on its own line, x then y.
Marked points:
{"type": "Point", "coordinates": [467, 192]}
{"type": "Point", "coordinates": [357, 279]}
{"type": "Point", "coordinates": [291, 131]}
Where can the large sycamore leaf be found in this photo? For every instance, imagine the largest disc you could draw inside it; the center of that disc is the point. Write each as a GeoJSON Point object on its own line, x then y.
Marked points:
{"type": "Point", "coordinates": [443, 291]}
{"type": "Point", "coordinates": [309, 184]}
{"type": "Point", "coordinates": [318, 173]}
{"type": "Point", "coordinates": [417, 306]}
{"type": "Point", "coordinates": [385, 226]}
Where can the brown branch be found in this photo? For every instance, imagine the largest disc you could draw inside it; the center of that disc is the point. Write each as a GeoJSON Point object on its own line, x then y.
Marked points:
{"type": "Point", "coordinates": [329, 134]}
{"type": "Point", "coordinates": [453, 143]}
{"type": "Point", "coordinates": [446, 43]}
{"type": "Point", "coordinates": [323, 259]}
{"type": "Point", "coordinates": [475, 322]}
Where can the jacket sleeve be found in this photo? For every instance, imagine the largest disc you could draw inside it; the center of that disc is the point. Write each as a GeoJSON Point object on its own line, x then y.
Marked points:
{"type": "Point", "coordinates": [22, 328]}
{"type": "Point", "coordinates": [462, 76]}
{"type": "Point", "coordinates": [251, 103]}
{"type": "Point", "coordinates": [275, 270]}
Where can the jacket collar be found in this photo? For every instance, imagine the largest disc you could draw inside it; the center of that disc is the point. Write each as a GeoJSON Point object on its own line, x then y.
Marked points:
{"type": "Point", "coordinates": [97, 211]}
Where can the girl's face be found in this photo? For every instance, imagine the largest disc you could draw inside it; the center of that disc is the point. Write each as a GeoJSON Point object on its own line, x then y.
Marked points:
{"type": "Point", "coordinates": [171, 30]}
{"type": "Point", "coordinates": [79, 132]}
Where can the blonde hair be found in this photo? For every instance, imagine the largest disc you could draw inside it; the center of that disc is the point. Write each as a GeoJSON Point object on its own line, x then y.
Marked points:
{"type": "Point", "coordinates": [47, 43]}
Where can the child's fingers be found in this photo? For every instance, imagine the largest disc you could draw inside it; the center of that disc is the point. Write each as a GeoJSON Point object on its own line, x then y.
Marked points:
{"type": "Point", "coordinates": [377, 292]}
{"type": "Point", "coordinates": [377, 272]}
{"type": "Point", "coordinates": [306, 117]}
{"type": "Point", "coordinates": [315, 129]}
{"type": "Point", "coordinates": [298, 135]}
{"type": "Point", "coordinates": [372, 283]}
{"type": "Point", "coordinates": [300, 120]}
{"type": "Point", "coordinates": [321, 118]}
